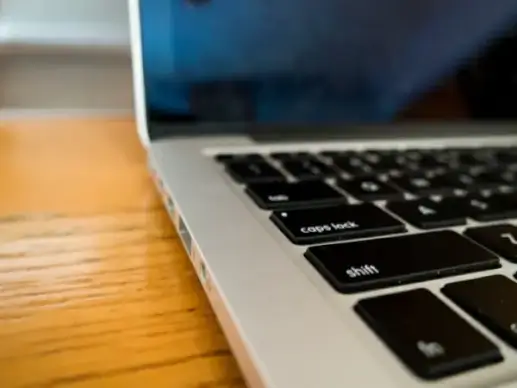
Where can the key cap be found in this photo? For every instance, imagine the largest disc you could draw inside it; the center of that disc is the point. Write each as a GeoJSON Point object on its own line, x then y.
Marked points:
{"type": "Point", "coordinates": [335, 223]}
{"type": "Point", "coordinates": [424, 185]}
{"type": "Point", "coordinates": [412, 154]}
{"type": "Point", "coordinates": [491, 300]}
{"type": "Point", "coordinates": [308, 169]}
{"type": "Point", "coordinates": [397, 163]}
{"type": "Point", "coordinates": [378, 263]}
{"type": "Point", "coordinates": [509, 177]}
{"type": "Point", "coordinates": [224, 157]}
{"type": "Point", "coordinates": [495, 178]}
{"type": "Point", "coordinates": [382, 162]}
{"type": "Point", "coordinates": [460, 180]}
{"type": "Point", "coordinates": [381, 152]}
{"type": "Point", "coordinates": [335, 154]}
{"type": "Point", "coordinates": [434, 160]}
{"type": "Point", "coordinates": [372, 158]}
{"type": "Point", "coordinates": [484, 208]}
{"type": "Point", "coordinates": [283, 195]}
{"type": "Point", "coordinates": [352, 165]}
{"type": "Point", "coordinates": [501, 239]}
{"type": "Point", "coordinates": [475, 158]}
{"type": "Point", "coordinates": [252, 172]}
{"type": "Point", "coordinates": [370, 189]}
{"type": "Point", "coordinates": [227, 158]}
{"type": "Point", "coordinates": [426, 334]}
{"type": "Point", "coordinates": [508, 156]}
{"type": "Point", "coordinates": [426, 214]}
{"type": "Point", "coordinates": [289, 156]}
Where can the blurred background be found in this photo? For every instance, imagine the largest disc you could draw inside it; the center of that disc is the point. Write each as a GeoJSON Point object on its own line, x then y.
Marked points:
{"type": "Point", "coordinates": [59, 55]}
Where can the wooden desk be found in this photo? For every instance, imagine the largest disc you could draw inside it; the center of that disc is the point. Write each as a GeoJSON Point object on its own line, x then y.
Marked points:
{"type": "Point", "coordinates": [95, 289]}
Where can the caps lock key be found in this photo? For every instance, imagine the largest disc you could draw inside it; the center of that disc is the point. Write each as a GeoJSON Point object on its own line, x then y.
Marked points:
{"type": "Point", "coordinates": [335, 223]}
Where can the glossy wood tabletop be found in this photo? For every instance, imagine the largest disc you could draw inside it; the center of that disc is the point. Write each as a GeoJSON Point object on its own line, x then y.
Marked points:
{"type": "Point", "coordinates": [95, 288]}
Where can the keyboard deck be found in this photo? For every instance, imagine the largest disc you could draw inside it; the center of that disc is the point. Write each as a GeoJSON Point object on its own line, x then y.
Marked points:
{"type": "Point", "coordinates": [322, 200]}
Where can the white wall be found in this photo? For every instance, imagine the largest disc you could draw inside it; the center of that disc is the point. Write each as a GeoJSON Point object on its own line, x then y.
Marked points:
{"type": "Point", "coordinates": [112, 12]}
{"type": "Point", "coordinates": [70, 55]}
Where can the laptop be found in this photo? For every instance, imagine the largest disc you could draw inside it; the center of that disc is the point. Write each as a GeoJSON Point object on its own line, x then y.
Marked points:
{"type": "Point", "coordinates": [337, 246]}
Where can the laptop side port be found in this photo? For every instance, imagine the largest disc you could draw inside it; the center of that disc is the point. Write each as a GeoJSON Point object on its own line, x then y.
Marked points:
{"type": "Point", "coordinates": [203, 273]}
{"type": "Point", "coordinates": [169, 203]}
{"type": "Point", "coordinates": [185, 235]}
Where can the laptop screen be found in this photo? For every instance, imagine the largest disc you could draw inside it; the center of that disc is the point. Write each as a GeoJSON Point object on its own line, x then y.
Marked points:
{"type": "Point", "coordinates": [292, 61]}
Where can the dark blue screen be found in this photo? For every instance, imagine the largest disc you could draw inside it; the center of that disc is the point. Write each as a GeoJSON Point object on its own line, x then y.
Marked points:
{"type": "Point", "coordinates": [306, 60]}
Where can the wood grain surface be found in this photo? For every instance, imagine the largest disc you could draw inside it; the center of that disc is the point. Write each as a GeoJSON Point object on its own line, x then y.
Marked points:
{"type": "Point", "coordinates": [95, 288]}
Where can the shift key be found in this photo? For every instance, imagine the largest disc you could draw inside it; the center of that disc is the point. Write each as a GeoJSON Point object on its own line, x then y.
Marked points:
{"type": "Point", "coordinates": [373, 264]}
{"type": "Point", "coordinates": [334, 223]}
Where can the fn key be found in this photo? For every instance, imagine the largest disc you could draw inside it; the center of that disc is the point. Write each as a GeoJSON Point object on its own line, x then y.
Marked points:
{"type": "Point", "coordinates": [429, 337]}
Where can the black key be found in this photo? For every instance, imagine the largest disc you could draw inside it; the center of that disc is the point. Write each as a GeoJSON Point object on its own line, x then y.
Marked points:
{"type": "Point", "coordinates": [283, 195]}
{"type": "Point", "coordinates": [370, 189]}
{"type": "Point", "coordinates": [352, 165]}
{"type": "Point", "coordinates": [412, 154]}
{"type": "Point", "coordinates": [424, 185]}
{"type": "Point", "coordinates": [372, 158]}
{"type": "Point", "coordinates": [491, 300]}
{"type": "Point", "coordinates": [475, 158]}
{"type": "Point", "coordinates": [484, 208]}
{"type": "Point", "coordinates": [509, 177]}
{"type": "Point", "coordinates": [508, 156]}
{"type": "Point", "coordinates": [382, 153]}
{"type": "Point", "coordinates": [335, 154]}
{"type": "Point", "coordinates": [383, 162]}
{"type": "Point", "coordinates": [228, 158]}
{"type": "Point", "coordinates": [378, 263]}
{"type": "Point", "coordinates": [436, 160]}
{"type": "Point", "coordinates": [397, 162]}
{"type": "Point", "coordinates": [495, 178]}
{"type": "Point", "coordinates": [426, 334]}
{"type": "Point", "coordinates": [224, 157]}
{"type": "Point", "coordinates": [335, 223]}
{"type": "Point", "coordinates": [460, 180]}
{"type": "Point", "coordinates": [501, 239]}
{"type": "Point", "coordinates": [426, 214]}
{"type": "Point", "coordinates": [289, 156]}
{"type": "Point", "coordinates": [253, 172]}
{"type": "Point", "coordinates": [308, 169]}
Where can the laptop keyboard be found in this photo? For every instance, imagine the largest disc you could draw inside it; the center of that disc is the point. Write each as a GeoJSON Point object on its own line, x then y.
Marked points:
{"type": "Point", "coordinates": [322, 200]}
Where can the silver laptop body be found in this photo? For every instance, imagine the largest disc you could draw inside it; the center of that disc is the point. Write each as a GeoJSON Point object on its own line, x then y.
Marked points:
{"type": "Point", "coordinates": [287, 325]}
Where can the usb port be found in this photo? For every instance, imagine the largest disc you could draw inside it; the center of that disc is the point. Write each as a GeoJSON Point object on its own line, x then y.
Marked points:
{"type": "Point", "coordinates": [185, 235]}
{"type": "Point", "coordinates": [203, 272]}
{"type": "Point", "coordinates": [169, 203]}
